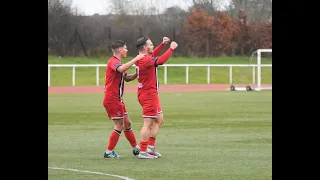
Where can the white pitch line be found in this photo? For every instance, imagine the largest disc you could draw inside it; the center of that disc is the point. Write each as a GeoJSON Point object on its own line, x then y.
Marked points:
{"type": "Point", "coordinates": [91, 172]}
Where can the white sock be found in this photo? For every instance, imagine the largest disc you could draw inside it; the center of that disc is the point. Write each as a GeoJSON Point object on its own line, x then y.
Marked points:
{"type": "Point", "coordinates": [137, 147]}
{"type": "Point", "coordinates": [108, 151]}
{"type": "Point", "coordinates": [151, 146]}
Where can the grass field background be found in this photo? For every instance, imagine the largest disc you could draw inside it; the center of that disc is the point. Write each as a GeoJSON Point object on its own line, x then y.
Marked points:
{"type": "Point", "coordinates": [205, 136]}
{"type": "Point", "coordinates": [86, 76]}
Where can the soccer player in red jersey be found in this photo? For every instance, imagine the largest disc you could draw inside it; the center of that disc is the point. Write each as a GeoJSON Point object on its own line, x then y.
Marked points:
{"type": "Point", "coordinates": [113, 102]}
{"type": "Point", "coordinates": [146, 70]}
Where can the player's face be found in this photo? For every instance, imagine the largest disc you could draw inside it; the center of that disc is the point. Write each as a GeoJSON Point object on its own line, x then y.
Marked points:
{"type": "Point", "coordinates": [123, 51]}
{"type": "Point", "coordinates": [149, 46]}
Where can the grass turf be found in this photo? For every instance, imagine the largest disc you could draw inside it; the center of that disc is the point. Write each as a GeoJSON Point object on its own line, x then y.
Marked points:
{"type": "Point", "coordinates": [207, 135]}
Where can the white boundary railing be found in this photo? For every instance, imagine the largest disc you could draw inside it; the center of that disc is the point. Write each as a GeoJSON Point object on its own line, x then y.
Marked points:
{"type": "Point", "coordinates": [165, 66]}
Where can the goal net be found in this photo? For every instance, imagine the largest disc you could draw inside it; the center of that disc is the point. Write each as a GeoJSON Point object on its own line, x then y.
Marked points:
{"type": "Point", "coordinates": [261, 65]}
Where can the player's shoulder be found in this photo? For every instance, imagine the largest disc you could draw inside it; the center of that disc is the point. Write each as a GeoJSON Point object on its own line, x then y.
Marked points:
{"type": "Point", "coordinates": [148, 57]}
{"type": "Point", "coordinates": [113, 60]}
{"type": "Point", "coordinates": [110, 60]}
{"type": "Point", "coordinates": [142, 59]}
{"type": "Point", "coordinates": [154, 58]}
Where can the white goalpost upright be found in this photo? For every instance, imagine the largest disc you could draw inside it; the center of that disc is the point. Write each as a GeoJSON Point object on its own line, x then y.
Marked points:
{"type": "Point", "coordinates": [258, 86]}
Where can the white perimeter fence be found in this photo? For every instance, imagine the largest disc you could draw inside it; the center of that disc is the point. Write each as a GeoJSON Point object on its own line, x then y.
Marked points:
{"type": "Point", "coordinates": [165, 66]}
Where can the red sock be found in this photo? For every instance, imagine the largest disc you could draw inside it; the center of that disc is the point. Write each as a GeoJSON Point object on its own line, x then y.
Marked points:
{"type": "Point", "coordinates": [152, 141]}
{"type": "Point", "coordinates": [143, 146]}
{"type": "Point", "coordinates": [113, 139]}
{"type": "Point", "coordinates": [130, 137]}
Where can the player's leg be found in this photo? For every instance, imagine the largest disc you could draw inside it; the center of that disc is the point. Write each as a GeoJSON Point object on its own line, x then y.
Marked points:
{"type": "Point", "coordinates": [155, 130]}
{"type": "Point", "coordinates": [144, 138]}
{"type": "Point", "coordinates": [128, 132]}
{"type": "Point", "coordinates": [156, 125]}
{"type": "Point", "coordinates": [149, 114]}
{"type": "Point", "coordinates": [115, 113]}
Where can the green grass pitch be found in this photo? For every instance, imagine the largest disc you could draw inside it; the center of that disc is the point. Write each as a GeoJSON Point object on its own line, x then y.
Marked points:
{"type": "Point", "coordinates": [205, 136]}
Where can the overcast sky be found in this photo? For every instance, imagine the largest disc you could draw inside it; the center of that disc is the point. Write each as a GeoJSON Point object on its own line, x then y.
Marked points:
{"type": "Point", "coordinates": [90, 7]}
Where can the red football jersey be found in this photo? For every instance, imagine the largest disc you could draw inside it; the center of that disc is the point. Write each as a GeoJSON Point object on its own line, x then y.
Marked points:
{"type": "Point", "coordinates": [147, 74]}
{"type": "Point", "coordinates": [114, 80]}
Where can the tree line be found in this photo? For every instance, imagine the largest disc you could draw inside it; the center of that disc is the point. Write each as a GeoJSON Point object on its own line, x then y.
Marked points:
{"type": "Point", "coordinates": [203, 30]}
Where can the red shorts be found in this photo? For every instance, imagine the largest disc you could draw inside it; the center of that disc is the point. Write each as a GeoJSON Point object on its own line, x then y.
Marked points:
{"type": "Point", "coordinates": [115, 109]}
{"type": "Point", "coordinates": [150, 105]}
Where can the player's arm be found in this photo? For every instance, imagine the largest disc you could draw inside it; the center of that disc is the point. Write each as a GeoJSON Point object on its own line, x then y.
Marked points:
{"type": "Point", "coordinates": [130, 77]}
{"type": "Point", "coordinates": [158, 49]}
{"type": "Point", "coordinates": [165, 56]}
{"type": "Point", "coordinates": [124, 67]}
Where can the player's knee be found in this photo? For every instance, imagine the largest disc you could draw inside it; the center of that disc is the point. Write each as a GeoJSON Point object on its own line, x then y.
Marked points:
{"type": "Point", "coordinates": [148, 126]}
{"type": "Point", "coordinates": [127, 124]}
{"type": "Point", "coordinates": [161, 122]}
{"type": "Point", "coordinates": [148, 122]}
{"type": "Point", "coordinates": [118, 125]}
{"type": "Point", "coordinates": [160, 119]}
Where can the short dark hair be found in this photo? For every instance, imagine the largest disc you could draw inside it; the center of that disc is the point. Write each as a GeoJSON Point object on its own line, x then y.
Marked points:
{"type": "Point", "coordinates": [117, 44]}
{"type": "Point", "coordinates": [141, 42]}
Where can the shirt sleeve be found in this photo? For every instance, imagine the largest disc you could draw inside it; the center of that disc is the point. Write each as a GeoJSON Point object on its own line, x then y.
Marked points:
{"type": "Point", "coordinates": [150, 61]}
{"type": "Point", "coordinates": [114, 64]}
{"type": "Point", "coordinates": [158, 49]}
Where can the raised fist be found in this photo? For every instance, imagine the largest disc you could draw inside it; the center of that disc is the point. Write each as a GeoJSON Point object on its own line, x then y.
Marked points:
{"type": "Point", "coordinates": [165, 40]}
{"type": "Point", "coordinates": [173, 45]}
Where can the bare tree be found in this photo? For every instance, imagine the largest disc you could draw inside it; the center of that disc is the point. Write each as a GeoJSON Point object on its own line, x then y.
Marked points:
{"type": "Point", "coordinates": [119, 7]}
{"type": "Point", "coordinates": [210, 6]}
{"type": "Point", "coordinates": [61, 26]}
{"type": "Point", "coordinates": [128, 19]}
{"type": "Point", "coordinates": [258, 10]}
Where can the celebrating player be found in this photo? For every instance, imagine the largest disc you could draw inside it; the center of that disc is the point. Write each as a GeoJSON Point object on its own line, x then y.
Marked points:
{"type": "Point", "coordinates": [147, 75]}
{"type": "Point", "coordinates": [113, 102]}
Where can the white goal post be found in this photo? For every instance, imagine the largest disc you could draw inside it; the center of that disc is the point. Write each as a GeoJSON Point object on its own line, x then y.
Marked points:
{"type": "Point", "coordinates": [259, 86]}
